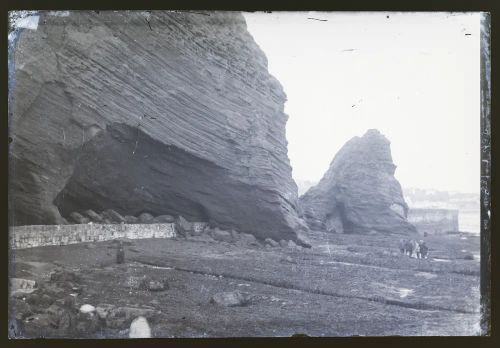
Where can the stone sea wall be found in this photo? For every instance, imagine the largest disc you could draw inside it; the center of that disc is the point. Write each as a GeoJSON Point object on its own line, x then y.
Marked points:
{"type": "Point", "coordinates": [43, 235]}
{"type": "Point", "coordinates": [434, 221]}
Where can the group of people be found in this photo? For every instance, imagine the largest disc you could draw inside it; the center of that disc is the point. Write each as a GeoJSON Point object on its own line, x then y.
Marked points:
{"type": "Point", "coordinates": [413, 248]}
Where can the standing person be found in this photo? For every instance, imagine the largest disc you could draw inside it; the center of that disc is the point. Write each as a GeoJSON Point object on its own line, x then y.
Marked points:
{"type": "Point", "coordinates": [402, 244]}
{"type": "Point", "coordinates": [416, 249]}
{"type": "Point", "coordinates": [424, 250]}
{"type": "Point", "coordinates": [120, 253]}
{"type": "Point", "coordinates": [409, 247]}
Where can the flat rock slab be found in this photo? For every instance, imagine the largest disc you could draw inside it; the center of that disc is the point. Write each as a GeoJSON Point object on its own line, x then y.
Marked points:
{"type": "Point", "coordinates": [229, 299]}
{"type": "Point", "coordinates": [22, 286]}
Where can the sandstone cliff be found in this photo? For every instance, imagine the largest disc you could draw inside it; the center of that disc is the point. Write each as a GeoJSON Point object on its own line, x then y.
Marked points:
{"type": "Point", "coordinates": [358, 193]}
{"type": "Point", "coordinates": [158, 112]}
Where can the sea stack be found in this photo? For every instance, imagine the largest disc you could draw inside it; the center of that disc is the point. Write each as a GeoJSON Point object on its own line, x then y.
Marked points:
{"type": "Point", "coordinates": [159, 112]}
{"type": "Point", "coordinates": [358, 193]}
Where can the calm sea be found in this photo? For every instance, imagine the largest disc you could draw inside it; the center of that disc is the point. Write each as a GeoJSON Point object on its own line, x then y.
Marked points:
{"type": "Point", "coordinates": [469, 222]}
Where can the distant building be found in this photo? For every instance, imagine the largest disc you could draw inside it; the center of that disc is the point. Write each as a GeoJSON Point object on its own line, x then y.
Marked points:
{"type": "Point", "coordinates": [434, 221]}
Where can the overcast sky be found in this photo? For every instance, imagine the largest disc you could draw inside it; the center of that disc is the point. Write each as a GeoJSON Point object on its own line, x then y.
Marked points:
{"type": "Point", "coordinates": [413, 76]}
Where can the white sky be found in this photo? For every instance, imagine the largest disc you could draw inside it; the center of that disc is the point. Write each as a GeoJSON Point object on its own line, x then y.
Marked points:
{"type": "Point", "coordinates": [413, 76]}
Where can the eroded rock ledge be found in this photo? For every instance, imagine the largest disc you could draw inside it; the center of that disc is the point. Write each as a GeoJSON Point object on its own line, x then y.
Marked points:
{"type": "Point", "coordinates": [358, 193]}
{"type": "Point", "coordinates": [159, 112]}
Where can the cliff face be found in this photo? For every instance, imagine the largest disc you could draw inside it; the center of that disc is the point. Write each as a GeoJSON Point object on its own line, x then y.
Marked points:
{"type": "Point", "coordinates": [159, 112]}
{"type": "Point", "coordinates": [358, 193]}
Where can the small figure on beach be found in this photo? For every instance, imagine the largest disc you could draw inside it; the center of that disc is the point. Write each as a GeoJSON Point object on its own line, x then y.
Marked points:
{"type": "Point", "coordinates": [423, 250]}
{"type": "Point", "coordinates": [402, 246]}
{"type": "Point", "coordinates": [409, 247]}
{"type": "Point", "coordinates": [413, 248]}
{"type": "Point", "coordinates": [120, 253]}
{"type": "Point", "coordinates": [416, 249]}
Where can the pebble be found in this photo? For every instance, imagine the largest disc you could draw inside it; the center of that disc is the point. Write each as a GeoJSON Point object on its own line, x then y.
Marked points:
{"type": "Point", "coordinates": [139, 328]}
{"type": "Point", "coordinates": [86, 308]}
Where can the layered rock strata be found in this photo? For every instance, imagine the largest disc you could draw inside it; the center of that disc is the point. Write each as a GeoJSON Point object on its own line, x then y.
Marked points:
{"type": "Point", "coordinates": [358, 193]}
{"type": "Point", "coordinates": [168, 113]}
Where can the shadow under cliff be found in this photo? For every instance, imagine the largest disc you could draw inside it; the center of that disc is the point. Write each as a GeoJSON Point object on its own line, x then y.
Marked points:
{"type": "Point", "coordinates": [124, 169]}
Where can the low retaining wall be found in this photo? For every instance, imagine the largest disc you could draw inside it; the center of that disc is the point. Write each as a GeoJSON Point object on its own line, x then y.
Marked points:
{"type": "Point", "coordinates": [434, 221]}
{"type": "Point", "coordinates": [42, 235]}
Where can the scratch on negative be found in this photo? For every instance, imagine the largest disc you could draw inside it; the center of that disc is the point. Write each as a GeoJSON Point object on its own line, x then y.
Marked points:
{"type": "Point", "coordinates": [328, 248]}
{"type": "Point", "coordinates": [316, 19]}
{"type": "Point", "coordinates": [205, 14]}
{"type": "Point", "coordinates": [136, 139]}
{"type": "Point", "coordinates": [135, 147]}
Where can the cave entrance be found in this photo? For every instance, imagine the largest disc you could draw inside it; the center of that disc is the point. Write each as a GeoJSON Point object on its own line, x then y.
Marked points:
{"type": "Point", "coordinates": [124, 169]}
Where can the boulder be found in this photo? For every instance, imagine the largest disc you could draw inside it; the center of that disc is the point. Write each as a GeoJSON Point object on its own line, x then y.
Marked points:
{"type": "Point", "coordinates": [102, 310]}
{"type": "Point", "coordinates": [151, 284]}
{"type": "Point", "coordinates": [156, 285]}
{"type": "Point", "coordinates": [59, 220]}
{"type": "Point", "coordinates": [248, 238]}
{"type": "Point", "coordinates": [39, 300]}
{"type": "Point", "coordinates": [33, 299]}
{"type": "Point", "coordinates": [66, 320]}
{"type": "Point", "coordinates": [46, 300]}
{"type": "Point", "coordinates": [134, 282]}
{"type": "Point", "coordinates": [86, 308]}
{"type": "Point", "coordinates": [78, 218]}
{"type": "Point", "coordinates": [222, 158]}
{"type": "Point", "coordinates": [271, 242]}
{"type": "Point", "coordinates": [164, 219]}
{"type": "Point", "coordinates": [69, 302]}
{"type": "Point", "coordinates": [198, 228]}
{"type": "Point", "coordinates": [182, 226]}
{"type": "Point", "coordinates": [283, 243]}
{"type": "Point", "coordinates": [146, 218]}
{"type": "Point", "coordinates": [21, 309]}
{"type": "Point", "coordinates": [139, 328]}
{"type": "Point", "coordinates": [93, 216]}
{"type": "Point", "coordinates": [359, 192]}
{"type": "Point", "coordinates": [121, 317]}
{"type": "Point", "coordinates": [229, 299]}
{"type": "Point", "coordinates": [87, 324]}
{"type": "Point", "coordinates": [129, 219]}
{"type": "Point", "coordinates": [113, 216]}
{"type": "Point", "coordinates": [221, 235]}
{"type": "Point", "coordinates": [54, 312]}
{"type": "Point", "coordinates": [291, 244]}
{"type": "Point", "coordinates": [235, 235]}
{"type": "Point", "coordinates": [147, 283]}
{"type": "Point", "coordinates": [64, 276]}
{"type": "Point", "coordinates": [22, 286]}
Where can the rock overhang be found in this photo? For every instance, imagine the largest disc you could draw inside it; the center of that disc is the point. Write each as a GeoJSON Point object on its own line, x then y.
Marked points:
{"type": "Point", "coordinates": [196, 84]}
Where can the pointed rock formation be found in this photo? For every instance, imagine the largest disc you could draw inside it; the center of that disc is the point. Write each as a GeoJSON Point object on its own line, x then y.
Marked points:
{"type": "Point", "coordinates": [358, 193]}
{"type": "Point", "coordinates": [165, 113]}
